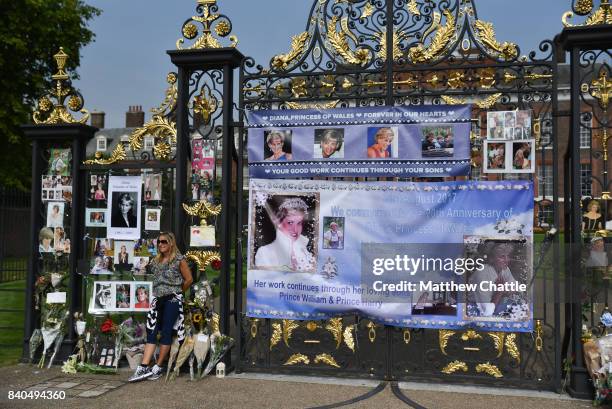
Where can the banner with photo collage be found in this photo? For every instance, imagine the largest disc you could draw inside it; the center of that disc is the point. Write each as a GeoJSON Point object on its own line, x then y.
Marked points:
{"type": "Point", "coordinates": [420, 141]}
{"type": "Point", "coordinates": [446, 255]}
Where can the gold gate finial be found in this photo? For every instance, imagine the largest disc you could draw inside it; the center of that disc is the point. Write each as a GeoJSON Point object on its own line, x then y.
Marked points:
{"type": "Point", "coordinates": [209, 20]}
{"type": "Point", "coordinates": [49, 113]}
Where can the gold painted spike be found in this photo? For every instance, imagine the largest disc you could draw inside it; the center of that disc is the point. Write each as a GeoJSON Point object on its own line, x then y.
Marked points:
{"type": "Point", "coordinates": [326, 359]}
{"type": "Point", "coordinates": [288, 327]}
{"type": "Point", "coordinates": [470, 335]}
{"type": "Point", "coordinates": [348, 338]}
{"type": "Point", "coordinates": [382, 39]}
{"type": "Point", "coordinates": [117, 155]}
{"type": "Point", "coordinates": [254, 326]}
{"type": "Point", "coordinates": [489, 102]}
{"type": "Point", "coordinates": [413, 7]}
{"type": "Point", "coordinates": [171, 96]}
{"type": "Point", "coordinates": [454, 367]}
{"type": "Point", "coordinates": [453, 100]}
{"type": "Point", "coordinates": [297, 359]}
{"type": "Point", "coordinates": [222, 27]}
{"type": "Point", "coordinates": [160, 127]}
{"type": "Point", "coordinates": [368, 10]}
{"type": "Point", "coordinates": [48, 113]}
{"type": "Point", "coordinates": [335, 327]}
{"type": "Point", "coordinates": [601, 88]}
{"type": "Point", "coordinates": [442, 38]}
{"type": "Point", "coordinates": [371, 331]}
{"type": "Point", "coordinates": [443, 337]}
{"type": "Point", "coordinates": [489, 369]}
{"type": "Point", "coordinates": [276, 334]}
{"type": "Point", "coordinates": [338, 42]}
{"type": "Point", "coordinates": [539, 343]}
{"type": "Point", "coordinates": [486, 34]}
{"type": "Point", "coordinates": [203, 258]}
{"type": "Point", "coordinates": [498, 341]}
{"type": "Point", "coordinates": [512, 348]}
{"type": "Point", "coordinates": [298, 46]}
{"type": "Point", "coordinates": [312, 105]}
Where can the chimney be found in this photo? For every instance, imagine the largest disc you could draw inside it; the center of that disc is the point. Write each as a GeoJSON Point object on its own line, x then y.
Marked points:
{"type": "Point", "coordinates": [97, 119]}
{"type": "Point", "coordinates": [134, 117]}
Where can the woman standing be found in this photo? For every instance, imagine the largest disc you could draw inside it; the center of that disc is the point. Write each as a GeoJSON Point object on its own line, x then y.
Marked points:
{"type": "Point", "coordinates": [171, 276]}
{"type": "Point", "coordinates": [592, 220]}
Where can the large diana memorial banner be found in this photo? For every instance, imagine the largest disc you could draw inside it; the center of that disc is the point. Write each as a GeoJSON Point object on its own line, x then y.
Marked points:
{"type": "Point", "coordinates": [425, 255]}
{"type": "Point", "coordinates": [420, 141]}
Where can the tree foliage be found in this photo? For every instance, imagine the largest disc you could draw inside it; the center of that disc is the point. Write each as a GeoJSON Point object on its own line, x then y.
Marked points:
{"type": "Point", "coordinates": [31, 32]}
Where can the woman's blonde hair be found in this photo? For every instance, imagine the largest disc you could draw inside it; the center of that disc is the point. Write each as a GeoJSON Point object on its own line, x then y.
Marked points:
{"type": "Point", "coordinates": [591, 203]}
{"type": "Point", "coordinates": [171, 242]}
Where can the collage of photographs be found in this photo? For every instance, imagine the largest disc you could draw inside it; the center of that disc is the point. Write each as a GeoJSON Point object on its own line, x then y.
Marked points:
{"type": "Point", "coordinates": [112, 256]}
{"type": "Point", "coordinates": [509, 147]}
{"type": "Point", "coordinates": [202, 169]}
{"type": "Point", "coordinates": [379, 143]}
{"type": "Point", "coordinates": [56, 195]}
{"type": "Point", "coordinates": [120, 296]}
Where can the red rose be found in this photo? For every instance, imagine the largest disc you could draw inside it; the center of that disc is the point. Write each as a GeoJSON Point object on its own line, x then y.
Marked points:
{"type": "Point", "coordinates": [216, 264]}
{"type": "Point", "coordinates": [107, 326]}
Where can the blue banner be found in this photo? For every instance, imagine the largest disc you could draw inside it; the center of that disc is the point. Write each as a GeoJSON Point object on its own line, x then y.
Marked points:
{"type": "Point", "coordinates": [421, 141]}
{"type": "Point", "coordinates": [424, 255]}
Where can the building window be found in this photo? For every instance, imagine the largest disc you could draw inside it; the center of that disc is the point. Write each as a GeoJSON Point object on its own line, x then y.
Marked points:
{"type": "Point", "coordinates": [586, 122]}
{"type": "Point", "coordinates": [546, 215]}
{"type": "Point", "coordinates": [545, 181]}
{"type": "Point", "coordinates": [101, 144]}
{"type": "Point", "coordinates": [586, 184]}
{"type": "Point", "coordinates": [546, 129]}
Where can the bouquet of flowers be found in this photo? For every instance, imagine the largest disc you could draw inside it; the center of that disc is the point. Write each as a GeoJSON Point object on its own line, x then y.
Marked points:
{"type": "Point", "coordinates": [220, 344]}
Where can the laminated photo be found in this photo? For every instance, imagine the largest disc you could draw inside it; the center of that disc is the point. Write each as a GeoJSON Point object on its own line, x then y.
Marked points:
{"type": "Point", "coordinates": [124, 194]}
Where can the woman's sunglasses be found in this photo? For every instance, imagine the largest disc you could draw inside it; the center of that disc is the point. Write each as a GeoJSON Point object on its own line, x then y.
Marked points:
{"type": "Point", "coordinates": [162, 241]}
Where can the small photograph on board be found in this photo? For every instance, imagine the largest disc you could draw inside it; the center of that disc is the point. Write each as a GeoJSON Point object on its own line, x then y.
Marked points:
{"type": "Point", "coordinates": [152, 219]}
{"type": "Point", "coordinates": [97, 189]}
{"type": "Point", "coordinates": [59, 162]}
{"type": "Point", "coordinates": [55, 214]}
{"type": "Point", "coordinates": [45, 240]}
{"type": "Point", "coordinates": [140, 265]}
{"type": "Point", "coordinates": [102, 247]}
{"type": "Point", "coordinates": [102, 265]}
{"type": "Point", "coordinates": [333, 233]}
{"type": "Point", "coordinates": [153, 187]}
{"type": "Point", "coordinates": [102, 297]}
{"type": "Point", "coordinates": [523, 156]}
{"type": "Point", "coordinates": [95, 217]}
{"type": "Point", "coordinates": [437, 141]}
{"type": "Point", "coordinates": [494, 160]}
{"type": "Point", "coordinates": [382, 142]}
{"type": "Point", "coordinates": [202, 236]}
{"type": "Point", "coordinates": [145, 248]}
{"type": "Point", "coordinates": [123, 296]}
{"type": "Point", "coordinates": [523, 123]}
{"type": "Point", "coordinates": [124, 255]}
{"type": "Point", "coordinates": [60, 241]}
{"type": "Point", "coordinates": [328, 143]}
{"type": "Point", "coordinates": [142, 295]}
{"type": "Point", "coordinates": [277, 145]}
{"type": "Point", "coordinates": [495, 125]}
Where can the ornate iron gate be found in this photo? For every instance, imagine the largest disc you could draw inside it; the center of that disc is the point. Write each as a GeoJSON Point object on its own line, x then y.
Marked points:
{"type": "Point", "coordinates": [408, 52]}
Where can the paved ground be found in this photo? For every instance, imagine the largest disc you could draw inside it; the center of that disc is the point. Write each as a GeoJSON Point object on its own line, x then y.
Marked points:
{"type": "Point", "coordinates": [254, 391]}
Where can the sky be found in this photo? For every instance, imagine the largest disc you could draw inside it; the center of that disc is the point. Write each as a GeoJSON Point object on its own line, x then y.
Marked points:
{"type": "Point", "coordinates": [127, 64]}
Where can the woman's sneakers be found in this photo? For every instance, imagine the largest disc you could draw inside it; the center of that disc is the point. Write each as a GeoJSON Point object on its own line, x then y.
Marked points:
{"type": "Point", "coordinates": [156, 373]}
{"type": "Point", "coordinates": [142, 372]}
